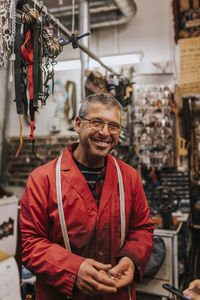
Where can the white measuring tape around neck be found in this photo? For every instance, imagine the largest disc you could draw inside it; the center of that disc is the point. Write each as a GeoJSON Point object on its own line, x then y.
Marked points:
{"type": "Point", "coordinates": [61, 212]}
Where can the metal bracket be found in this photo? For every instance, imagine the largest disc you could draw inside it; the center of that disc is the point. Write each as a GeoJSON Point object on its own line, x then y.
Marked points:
{"type": "Point", "coordinates": [73, 39]}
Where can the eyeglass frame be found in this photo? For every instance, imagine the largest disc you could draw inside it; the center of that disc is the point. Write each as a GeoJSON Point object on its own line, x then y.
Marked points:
{"type": "Point", "coordinates": [103, 124]}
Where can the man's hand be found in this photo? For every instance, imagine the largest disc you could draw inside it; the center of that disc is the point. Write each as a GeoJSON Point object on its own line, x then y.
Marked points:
{"type": "Point", "coordinates": [123, 272]}
{"type": "Point", "coordinates": [193, 291]}
{"type": "Point", "coordinates": [93, 279]}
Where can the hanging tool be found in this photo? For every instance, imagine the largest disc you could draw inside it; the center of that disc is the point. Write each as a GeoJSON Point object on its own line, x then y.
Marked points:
{"type": "Point", "coordinates": [158, 103]}
{"type": "Point", "coordinates": [182, 150]}
{"type": "Point", "coordinates": [172, 102]}
{"type": "Point", "coordinates": [18, 91]}
{"type": "Point", "coordinates": [27, 52]}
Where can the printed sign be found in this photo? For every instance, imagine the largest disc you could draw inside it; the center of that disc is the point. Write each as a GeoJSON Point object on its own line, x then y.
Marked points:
{"type": "Point", "coordinates": [189, 66]}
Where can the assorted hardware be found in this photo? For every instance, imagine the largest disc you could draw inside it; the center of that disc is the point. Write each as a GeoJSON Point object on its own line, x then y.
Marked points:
{"type": "Point", "coordinates": [153, 125]}
{"type": "Point", "coordinates": [118, 86]}
{"type": "Point", "coordinates": [32, 44]}
{"type": "Point", "coordinates": [121, 88]}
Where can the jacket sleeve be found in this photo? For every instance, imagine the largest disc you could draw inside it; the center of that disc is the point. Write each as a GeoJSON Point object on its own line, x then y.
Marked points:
{"type": "Point", "coordinates": [138, 243]}
{"type": "Point", "coordinates": [50, 262]}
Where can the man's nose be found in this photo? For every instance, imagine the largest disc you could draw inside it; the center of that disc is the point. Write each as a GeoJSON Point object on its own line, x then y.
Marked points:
{"type": "Point", "coordinates": [104, 129]}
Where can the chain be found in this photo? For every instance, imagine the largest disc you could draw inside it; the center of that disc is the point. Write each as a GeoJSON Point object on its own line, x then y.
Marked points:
{"type": "Point", "coordinates": [13, 20]}
{"type": "Point", "coordinates": [7, 29]}
{"type": "Point", "coordinates": [12, 38]}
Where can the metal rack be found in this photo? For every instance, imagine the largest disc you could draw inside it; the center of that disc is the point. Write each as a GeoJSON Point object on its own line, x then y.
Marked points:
{"type": "Point", "coordinates": [54, 21]}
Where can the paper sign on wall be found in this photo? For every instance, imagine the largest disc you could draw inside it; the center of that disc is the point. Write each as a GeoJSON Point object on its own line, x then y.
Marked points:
{"type": "Point", "coordinates": [189, 66]}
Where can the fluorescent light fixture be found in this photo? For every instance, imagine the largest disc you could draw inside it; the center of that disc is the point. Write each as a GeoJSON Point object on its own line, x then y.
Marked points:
{"type": "Point", "coordinates": [116, 60]}
{"type": "Point", "coordinates": [123, 59]}
{"type": "Point", "coordinates": [68, 65]}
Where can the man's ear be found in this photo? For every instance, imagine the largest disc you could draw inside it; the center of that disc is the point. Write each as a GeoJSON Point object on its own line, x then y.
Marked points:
{"type": "Point", "coordinates": [77, 124]}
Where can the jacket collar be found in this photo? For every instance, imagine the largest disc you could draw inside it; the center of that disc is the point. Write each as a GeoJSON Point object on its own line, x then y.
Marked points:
{"type": "Point", "coordinates": [78, 181]}
{"type": "Point", "coordinates": [67, 158]}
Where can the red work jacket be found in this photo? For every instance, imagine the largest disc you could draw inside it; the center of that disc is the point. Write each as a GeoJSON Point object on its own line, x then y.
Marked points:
{"type": "Point", "coordinates": [93, 233]}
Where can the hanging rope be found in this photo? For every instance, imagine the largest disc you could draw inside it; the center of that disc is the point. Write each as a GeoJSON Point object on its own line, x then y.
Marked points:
{"type": "Point", "coordinates": [29, 15]}
{"type": "Point", "coordinates": [20, 140]}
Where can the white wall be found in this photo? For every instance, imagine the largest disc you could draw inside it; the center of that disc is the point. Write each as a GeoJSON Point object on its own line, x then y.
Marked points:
{"type": "Point", "coordinates": [45, 114]}
{"type": "Point", "coordinates": [150, 31]}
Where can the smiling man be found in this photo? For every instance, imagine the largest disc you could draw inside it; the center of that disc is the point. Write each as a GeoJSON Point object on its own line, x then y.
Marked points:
{"type": "Point", "coordinates": [99, 132]}
{"type": "Point", "coordinates": [108, 238]}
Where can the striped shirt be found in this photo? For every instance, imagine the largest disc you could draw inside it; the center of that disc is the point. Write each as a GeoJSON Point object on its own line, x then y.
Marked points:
{"type": "Point", "coordinates": [95, 179]}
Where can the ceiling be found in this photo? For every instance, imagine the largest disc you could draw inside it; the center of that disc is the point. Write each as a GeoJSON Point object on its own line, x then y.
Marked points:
{"type": "Point", "coordinates": [62, 3]}
{"type": "Point", "coordinates": [57, 3]}
{"type": "Point", "coordinates": [102, 13]}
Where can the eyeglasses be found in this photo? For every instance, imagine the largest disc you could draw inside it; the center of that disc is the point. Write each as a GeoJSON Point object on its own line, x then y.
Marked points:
{"type": "Point", "coordinates": [114, 128]}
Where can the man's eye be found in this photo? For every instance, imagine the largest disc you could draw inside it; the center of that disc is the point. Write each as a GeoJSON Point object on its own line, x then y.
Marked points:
{"type": "Point", "coordinates": [114, 126]}
{"type": "Point", "coordinates": [96, 122]}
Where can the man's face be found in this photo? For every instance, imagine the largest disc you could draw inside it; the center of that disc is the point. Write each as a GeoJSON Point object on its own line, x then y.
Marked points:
{"type": "Point", "coordinates": [96, 143]}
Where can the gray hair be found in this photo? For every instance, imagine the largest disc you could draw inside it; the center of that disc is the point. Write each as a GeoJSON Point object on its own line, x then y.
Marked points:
{"type": "Point", "coordinates": [105, 99]}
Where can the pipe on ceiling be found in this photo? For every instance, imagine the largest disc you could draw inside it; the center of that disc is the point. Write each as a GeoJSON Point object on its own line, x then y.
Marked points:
{"type": "Point", "coordinates": [67, 10]}
{"type": "Point", "coordinates": [127, 9]}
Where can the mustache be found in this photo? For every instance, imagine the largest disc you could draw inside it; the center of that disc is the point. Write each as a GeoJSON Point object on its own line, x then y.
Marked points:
{"type": "Point", "coordinates": [100, 139]}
